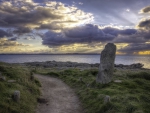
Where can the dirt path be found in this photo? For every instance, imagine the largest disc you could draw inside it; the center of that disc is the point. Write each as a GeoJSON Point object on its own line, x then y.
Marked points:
{"type": "Point", "coordinates": [61, 98]}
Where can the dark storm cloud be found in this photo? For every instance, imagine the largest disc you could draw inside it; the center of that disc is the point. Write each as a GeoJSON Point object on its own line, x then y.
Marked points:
{"type": "Point", "coordinates": [141, 36]}
{"type": "Point", "coordinates": [22, 30]}
{"type": "Point", "coordinates": [131, 48]}
{"type": "Point", "coordinates": [116, 32]}
{"type": "Point", "coordinates": [82, 34]}
{"type": "Point", "coordinates": [27, 16]}
{"type": "Point", "coordinates": [90, 33]}
{"type": "Point", "coordinates": [4, 33]}
{"type": "Point", "coordinates": [13, 39]}
{"type": "Point", "coordinates": [30, 18]}
{"type": "Point", "coordinates": [146, 9]}
{"type": "Point", "coordinates": [51, 26]}
{"type": "Point", "coordinates": [87, 30]}
{"type": "Point", "coordinates": [24, 15]}
{"type": "Point", "coordinates": [145, 24]}
{"type": "Point", "coordinates": [93, 34]}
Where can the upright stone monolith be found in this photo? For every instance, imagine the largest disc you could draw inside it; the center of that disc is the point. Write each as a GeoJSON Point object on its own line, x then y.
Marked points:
{"type": "Point", "coordinates": [106, 64]}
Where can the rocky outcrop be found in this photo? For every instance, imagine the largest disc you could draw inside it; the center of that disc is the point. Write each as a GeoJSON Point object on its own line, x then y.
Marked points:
{"type": "Point", "coordinates": [50, 64]}
{"type": "Point", "coordinates": [131, 66]}
{"type": "Point", "coordinates": [107, 64]}
{"type": "Point", "coordinates": [54, 64]}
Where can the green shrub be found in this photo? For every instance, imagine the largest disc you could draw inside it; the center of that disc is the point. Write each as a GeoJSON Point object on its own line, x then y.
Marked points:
{"type": "Point", "coordinates": [53, 74]}
{"type": "Point", "coordinates": [37, 82]}
{"type": "Point", "coordinates": [141, 75]}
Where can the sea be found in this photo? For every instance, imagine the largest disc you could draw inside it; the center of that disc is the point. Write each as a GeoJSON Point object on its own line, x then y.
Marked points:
{"type": "Point", "coordinates": [120, 59]}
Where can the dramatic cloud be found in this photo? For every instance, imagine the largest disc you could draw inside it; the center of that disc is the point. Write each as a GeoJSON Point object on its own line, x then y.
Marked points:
{"type": "Point", "coordinates": [24, 15]}
{"type": "Point", "coordinates": [4, 42]}
{"type": "Point", "coordinates": [5, 33]}
{"type": "Point", "coordinates": [134, 48]}
{"type": "Point", "coordinates": [141, 36]}
{"type": "Point", "coordinates": [90, 33]}
{"type": "Point", "coordinates": [79, 26]}
{"type": "Point", "coordinates": [146, 10]}
{"type": "Point", "coordinates": [144, 24]}
{"type": "Point", "coordinates": [51, 26]}
{"type": "Point", "coordinates": [22, 30]}
{"type": "Point", "coordinates": [85, 31]}
{"type": "Point", "coordinates": [9, 46]}
{"type": "Point", "coordinates": [13, 39]}
{"type": "Point", "coordinates": [82, 34]}
{"type": "Point", "coordinates": [116, 32]}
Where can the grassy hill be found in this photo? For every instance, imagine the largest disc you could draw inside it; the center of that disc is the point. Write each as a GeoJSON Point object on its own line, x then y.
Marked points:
{"type": "Point", "coordinates": [132, 95]}
{"type": "Point", "coordinates": [24, 82]}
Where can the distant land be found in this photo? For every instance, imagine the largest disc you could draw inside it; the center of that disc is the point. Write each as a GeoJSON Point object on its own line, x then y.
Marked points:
{"type": "Point", "coordinates": [49, 53]}
{"type": "Point", "coordinates": [69, 54]}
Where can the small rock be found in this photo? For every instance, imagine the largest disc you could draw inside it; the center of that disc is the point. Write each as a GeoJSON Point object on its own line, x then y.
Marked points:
{"type": "Point", "coordinates": [42, 100]}
{"type": "Point", "coordinates": [11, 81]}
{"type": "Point", "coordinates": [107, 99]}
{"type": "Point", "coordinates": [16, 96]}
{"type": "Point", "coordinates": [87, 85]}
{"type": "Point", "coordinates": [118, 81]}
{"type": "Point", "coordinates": [2, 78]}
{"type": "Point", "coordinates": [32, 77]}
{"type": "Point", "coordinates": [80, 79]}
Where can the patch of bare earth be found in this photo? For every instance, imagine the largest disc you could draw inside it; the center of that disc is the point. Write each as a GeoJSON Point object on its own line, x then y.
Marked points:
{"type": "Point", "coordinates": [57, 97]}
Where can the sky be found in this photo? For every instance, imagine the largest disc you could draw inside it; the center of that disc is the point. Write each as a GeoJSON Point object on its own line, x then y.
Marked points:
{"type": "Point", "coordinates": [74, 26]}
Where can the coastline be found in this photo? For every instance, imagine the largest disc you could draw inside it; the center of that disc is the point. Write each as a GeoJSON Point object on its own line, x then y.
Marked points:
{"type": "Point", "coordinates": [68, 64]}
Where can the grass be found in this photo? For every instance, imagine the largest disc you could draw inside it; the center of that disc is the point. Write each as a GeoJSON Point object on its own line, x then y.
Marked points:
{"type": "Point", "coordinates": [130, 96]}
{"type": "Point", "coordinates": [29, 89]}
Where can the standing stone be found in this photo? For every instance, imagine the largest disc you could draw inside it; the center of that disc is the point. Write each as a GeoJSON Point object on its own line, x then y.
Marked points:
{"type": "Point", "coordinates": [106, 67]}
{"type": "Point", "coordinates": [16, 96]}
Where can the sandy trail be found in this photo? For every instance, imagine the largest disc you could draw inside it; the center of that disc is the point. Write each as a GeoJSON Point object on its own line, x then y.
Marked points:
{"type": "Point", "coordinates": [61, 98]}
